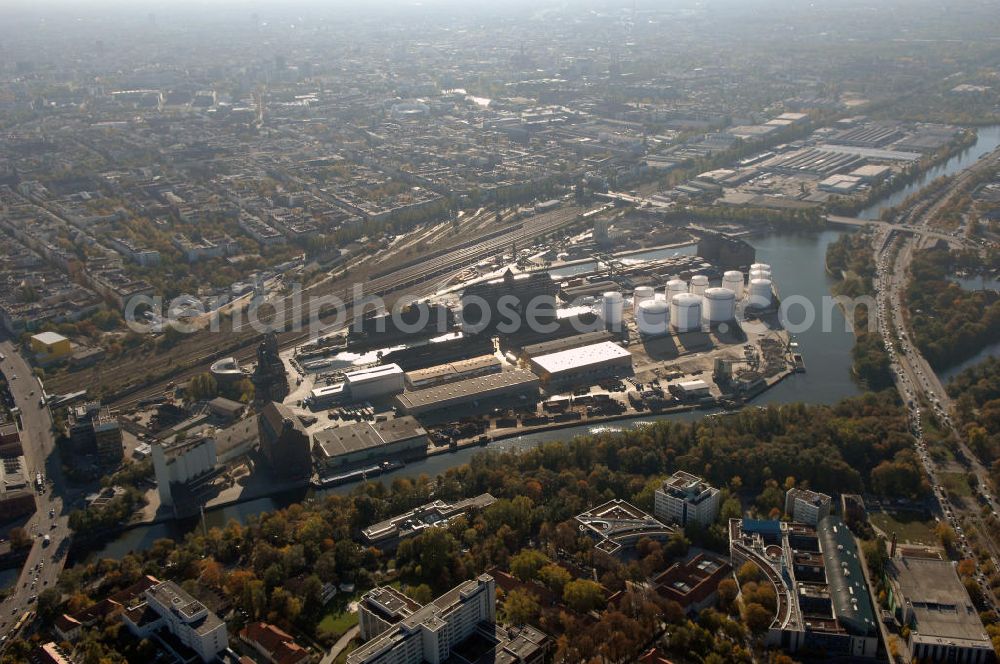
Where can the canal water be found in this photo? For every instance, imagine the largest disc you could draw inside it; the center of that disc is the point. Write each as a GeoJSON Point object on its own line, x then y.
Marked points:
{"type": "Point", "coordinates": [993, 350]}
{"type": "Point", "coordinates": [978, 283]}
{"type": "Point", "coordinates": [987, 140]}
{"type": "Point", "coordinates": [797, 263]}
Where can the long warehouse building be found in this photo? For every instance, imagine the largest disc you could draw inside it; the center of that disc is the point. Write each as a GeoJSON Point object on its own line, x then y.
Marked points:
{"type": "Point", "coordinates": [458, 370]}
{"type": "Point", "coordinates": [365, 442]}
{"type": "Point", "coordinates": [584, 363]}
{"type": "Point", "coordinates": [481, 388]}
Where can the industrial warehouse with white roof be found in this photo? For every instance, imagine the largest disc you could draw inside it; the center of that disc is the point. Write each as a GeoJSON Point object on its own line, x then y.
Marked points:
{"type": "Point", "coordinates": [594, 361]}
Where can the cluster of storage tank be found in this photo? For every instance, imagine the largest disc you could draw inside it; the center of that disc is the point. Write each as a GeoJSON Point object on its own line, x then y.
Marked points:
{"type": "Point", "coordinates": [686, 306]}
{"type": "Point", "coordinates": [760, 286]}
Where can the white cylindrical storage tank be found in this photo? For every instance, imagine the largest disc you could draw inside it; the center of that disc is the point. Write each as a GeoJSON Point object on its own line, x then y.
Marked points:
{"type": "Point", "coordinates": [651, 318]}
{"type": "Point", "coordinates": [760, 274]}
{"type": "Point", "coordinates": [759, 293]}
{"type": "Point", "coordinates": [612, 308]}
{"type": "Point", "coordinates": [699, 283]}
{"type": "Point", "coordinates": [685, 312]}
{"type": "Point", "coordinates": [641, 294]}
{"type": "Point", "coordinates": [761, 266]}
{"type": "Point", "coordinates": [733, 280]}
{"type": "Point", "coordinates": [720, 305]}
{"type": "Point", "coordinates": [675, 287]}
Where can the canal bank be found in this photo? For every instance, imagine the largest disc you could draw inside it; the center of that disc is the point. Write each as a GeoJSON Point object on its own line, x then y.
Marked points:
{"type": "Point", "coordinates": [987, 140]}
{"type": "Point", "coordinates": [798, 261]}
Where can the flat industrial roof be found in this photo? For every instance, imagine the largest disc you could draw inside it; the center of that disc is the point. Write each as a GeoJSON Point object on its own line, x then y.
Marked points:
{"type": "Point", "coordinates": [372, 373]}
{"type": "Point", "coordinates": [429, 373]}
{"type": "Point", "coordinates": [870, 170]}
{"type": "Point", "coordinates": [326, 390]}
{"type": "Point", "coordinates": [363, 435]}
{"type": "Point", "coordinates": [690, 385]}
{"type": "Point", "coordinates": [475, 363]}
{"type": "Point", "coordinates": [468, 389]}
{"type": "Point", "coordinates": [581, 358]}
{"type": "Point", "coordinates": [456, 368]}
{"type": "Point", "coordinates": [940, 602]}
{"type": "Point", "coordinates": [557, 345]}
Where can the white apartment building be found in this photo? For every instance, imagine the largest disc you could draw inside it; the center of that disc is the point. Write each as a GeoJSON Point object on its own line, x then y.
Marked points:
{"type": "Point", "coordinates": [805, 506]}
{"type": "Point", "coordinates": [170, 607]}
{"type": "Point", "coordinates": [685, 498]}
{"type": "Point", "coordinates": [427, 634]}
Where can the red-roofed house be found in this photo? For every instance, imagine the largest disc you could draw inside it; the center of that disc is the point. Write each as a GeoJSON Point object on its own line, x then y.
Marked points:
{"type": "Point", "coordinates": [277, 646]}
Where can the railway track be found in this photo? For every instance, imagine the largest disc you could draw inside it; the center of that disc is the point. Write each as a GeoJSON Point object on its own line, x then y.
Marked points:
{"type": "Point", "coordinates": [296, 314]}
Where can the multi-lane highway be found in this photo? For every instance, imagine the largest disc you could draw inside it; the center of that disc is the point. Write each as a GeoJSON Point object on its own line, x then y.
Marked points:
{"type": "Point", "coordinates": [45, 561]}
{"type": "Point", "coordinates": [916, 381]}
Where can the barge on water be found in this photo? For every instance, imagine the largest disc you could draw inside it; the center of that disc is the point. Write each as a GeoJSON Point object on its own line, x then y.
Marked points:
{"type": "Point", "coordinates": [800, 365]}
{"type": "Point", "coordinates": [323, 482]}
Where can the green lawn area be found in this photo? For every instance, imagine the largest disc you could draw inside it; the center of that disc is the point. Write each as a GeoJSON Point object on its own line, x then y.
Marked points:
{"type": "Point", "coordinates": [909, 526]}
{"type": "Point", "coordinates": [337, 620]}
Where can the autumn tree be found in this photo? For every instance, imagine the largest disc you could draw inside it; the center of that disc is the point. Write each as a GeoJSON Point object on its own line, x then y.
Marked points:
{"type": "Point", "coordinates": [555, 577]}
{"type": "Point", "coordinates": [583, 595]}
{"type": "Point", "coordinates": [749, 571]}
{"type": "Point", "coordinates": [727, 592]}
{"type": "Point", "coordinates": [520, 607]}
{"type": "Point", "coordinates": [945, 534]}
{"type": "Point", "coordinates": [526, 563]}
{"type": "Point", "coordinates": [757, 618]}
{"type": "Point", "coordinates": [203, 386]}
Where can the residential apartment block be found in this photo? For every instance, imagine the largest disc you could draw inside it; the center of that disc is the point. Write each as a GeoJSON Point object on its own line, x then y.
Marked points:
{"type": "Point", "coordinates": [685, 498]}
{"type": "Point", "coordinates": [168, 606]}
{"type": "Point", "coordinates": [462, 621]}
{"type": "Point", "coordinates": [805, 506]}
